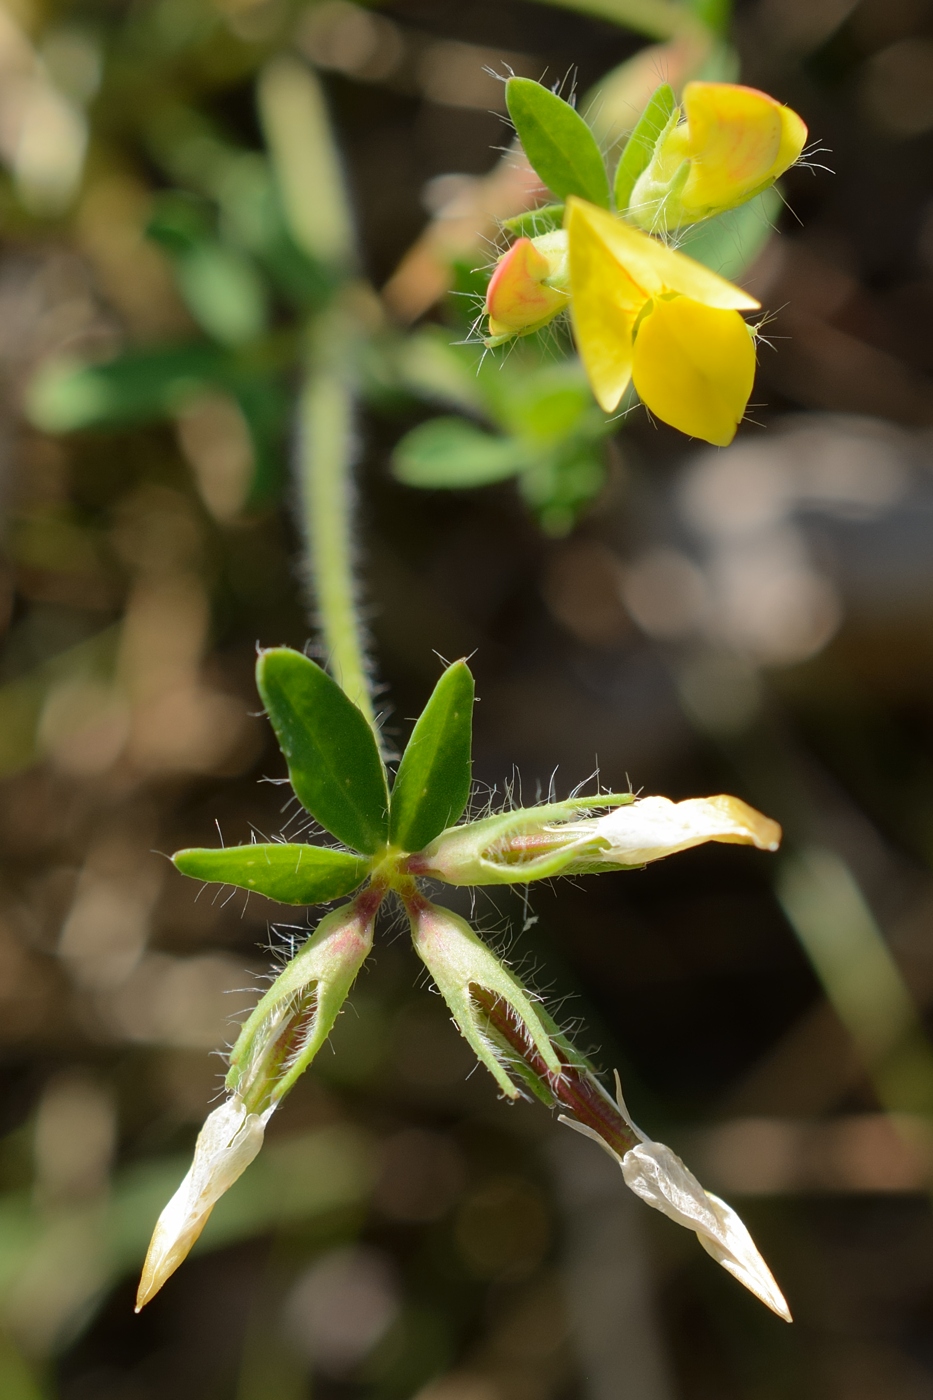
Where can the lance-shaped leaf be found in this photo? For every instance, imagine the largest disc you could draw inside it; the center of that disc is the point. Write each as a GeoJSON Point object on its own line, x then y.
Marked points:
{"type": "Point", "coordinates": [432, 785]}
{"type": "Point", "coordinates": [557, 141]}
{"type": "Point", "coordinates": [292, 874]}
{"type": "Point", "coordinates": [639, 147]}
{"type": "Point", "coordinates": [333, 761]}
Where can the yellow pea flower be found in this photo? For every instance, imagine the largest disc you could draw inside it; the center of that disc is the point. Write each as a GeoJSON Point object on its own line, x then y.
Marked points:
{"type": "Point", "coordinates": [731, 143]}
{"type": "Point", "coordinates": [643, 311]}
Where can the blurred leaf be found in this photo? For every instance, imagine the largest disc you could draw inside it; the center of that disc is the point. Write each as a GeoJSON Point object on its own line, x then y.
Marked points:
{"type": "Point", "coordinates": [18, 1380]}
{"type": "Point", "coordinates": [715, 14]}
{"type": "Point", "coordinates": [180, 222]}
{"type": "Point", "coordinates": [333, 761]}
{"type": "Point", "coordinates": [145, 384]}
{"type": "Point", "coordinates": [432, 785]}
{"type": "Point", "coordinates": [292, 874]}
{"type": "Point", "coordinates": [22, 700]}
{"type": "Point", "coordinates": [548, 404]}
{"type": "Point", "coordinates": [640, 145]}
{"type": "Point", "coordinates": [534, 222]}
{"type": "Point", "coordinates": [562, 484]}
{"type": "Point", "coordinates": [264, 405]}
{"type": "Point", "coordinates": [223, 291]}
{"type": "Point", "coordinates": [730, 243]}
{"type": "Point", "coordinates": [557, 142]}
{"type": "Point", "coordinates": [432, 368]}
{"type": "Point", "coordinates": [450, 453]}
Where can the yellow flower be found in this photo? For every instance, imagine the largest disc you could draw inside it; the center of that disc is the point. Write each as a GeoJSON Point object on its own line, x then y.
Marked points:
{"type": "Point", "coordinates": [642, 311]}
{"type": "Point", "coordinates": [732, 143]}
{"type": "Point", "coordinates": [528, 287]}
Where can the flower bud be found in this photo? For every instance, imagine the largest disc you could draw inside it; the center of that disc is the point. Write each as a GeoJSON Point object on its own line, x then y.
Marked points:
{"type": "Point", "coordinates": [464, 968]}
{"type": "Point", "coordinates": [728, 144]}
{"type": "Point", "coordinates": [275, 1046]}
{"type": "Point", "coordinates": [528, 287]}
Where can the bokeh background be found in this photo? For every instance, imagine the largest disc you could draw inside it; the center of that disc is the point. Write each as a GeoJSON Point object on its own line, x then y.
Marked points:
{"type": "Point", "coordinates": [756, 620]}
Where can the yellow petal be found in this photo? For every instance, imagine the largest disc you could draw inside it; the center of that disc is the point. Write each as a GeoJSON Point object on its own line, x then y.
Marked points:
{"type": "Point", "coordinates": [650, 264]}
{"type": "Point", "coordinates": [605, 302]}
{"type": "Point", "coordinates": [517, 298]}
{"type": "Point", "coordinates": [694, 368]}
{"type": "Point", "coordinates": [740, 140]}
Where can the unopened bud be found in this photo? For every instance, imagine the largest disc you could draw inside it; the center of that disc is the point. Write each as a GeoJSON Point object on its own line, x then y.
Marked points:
{"type": "Point", "coordinates": [467, 974]}
{"type": "Point", "coordinates": [529, 286]}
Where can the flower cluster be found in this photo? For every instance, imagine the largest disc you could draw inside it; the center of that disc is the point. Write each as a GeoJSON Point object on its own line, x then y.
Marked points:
{"type": "Point", "coordinates": [643, 313]}
{"type": "Point", "coordinates": [390, 841]}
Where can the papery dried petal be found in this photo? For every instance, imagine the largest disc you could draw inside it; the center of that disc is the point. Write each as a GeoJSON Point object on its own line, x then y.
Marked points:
{"type": "Point", "coordinates": [654, 827]}
{"type": "Point", "coordinates": [229, 1140]}
{"type": "Point", "coordinates": [661, 1179]}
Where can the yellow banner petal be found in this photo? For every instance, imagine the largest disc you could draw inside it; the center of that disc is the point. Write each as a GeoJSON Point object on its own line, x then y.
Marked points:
{"type": "Point", "coordinates": [694, 367]}
{"type": "Point", "coordinates": [650, 264]}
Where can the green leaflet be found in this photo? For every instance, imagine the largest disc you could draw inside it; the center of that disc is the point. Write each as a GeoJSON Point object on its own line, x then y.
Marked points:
{"type": "Point", "coordinates": [557, 142]}
{"type": "Point", "coordinates": [333, 762]}
{"type": "Point", "coordinates": [639, 147]}
{"type": "Point", "coordinates": [432, 785]}
{"type": "Point", "coordinates": [224, 292]}
{"type": "Point", "coordinates": [449, 453]}
{"type": "Point", "coordinates": [293, 874]}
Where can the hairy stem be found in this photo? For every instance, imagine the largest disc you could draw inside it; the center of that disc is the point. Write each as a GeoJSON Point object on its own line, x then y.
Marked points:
{"type": "Point", "coordinates": [325, 457]}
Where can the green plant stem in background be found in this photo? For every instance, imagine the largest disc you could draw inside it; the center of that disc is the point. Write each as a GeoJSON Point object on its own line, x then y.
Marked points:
{"type": "Point", "coordinates": [325, 454]}
{"type": "Point", "coordinates": [311, 186]}
{"type": "Point", "coordinates": [849, 954]}
{"type": "Point", "coordinates": [657, 19]}
{"type": "Point", "coordinates": [307, 163]}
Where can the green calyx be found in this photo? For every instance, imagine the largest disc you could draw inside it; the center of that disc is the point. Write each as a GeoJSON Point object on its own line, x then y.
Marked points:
{"type": "Point", "coordinates": [391, 832]}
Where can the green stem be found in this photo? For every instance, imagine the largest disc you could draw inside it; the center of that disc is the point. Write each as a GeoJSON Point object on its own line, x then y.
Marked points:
{"type": "Point", "coordinates": [657, 19]}
{"type": "Point", "coordinates": [325, 415]}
